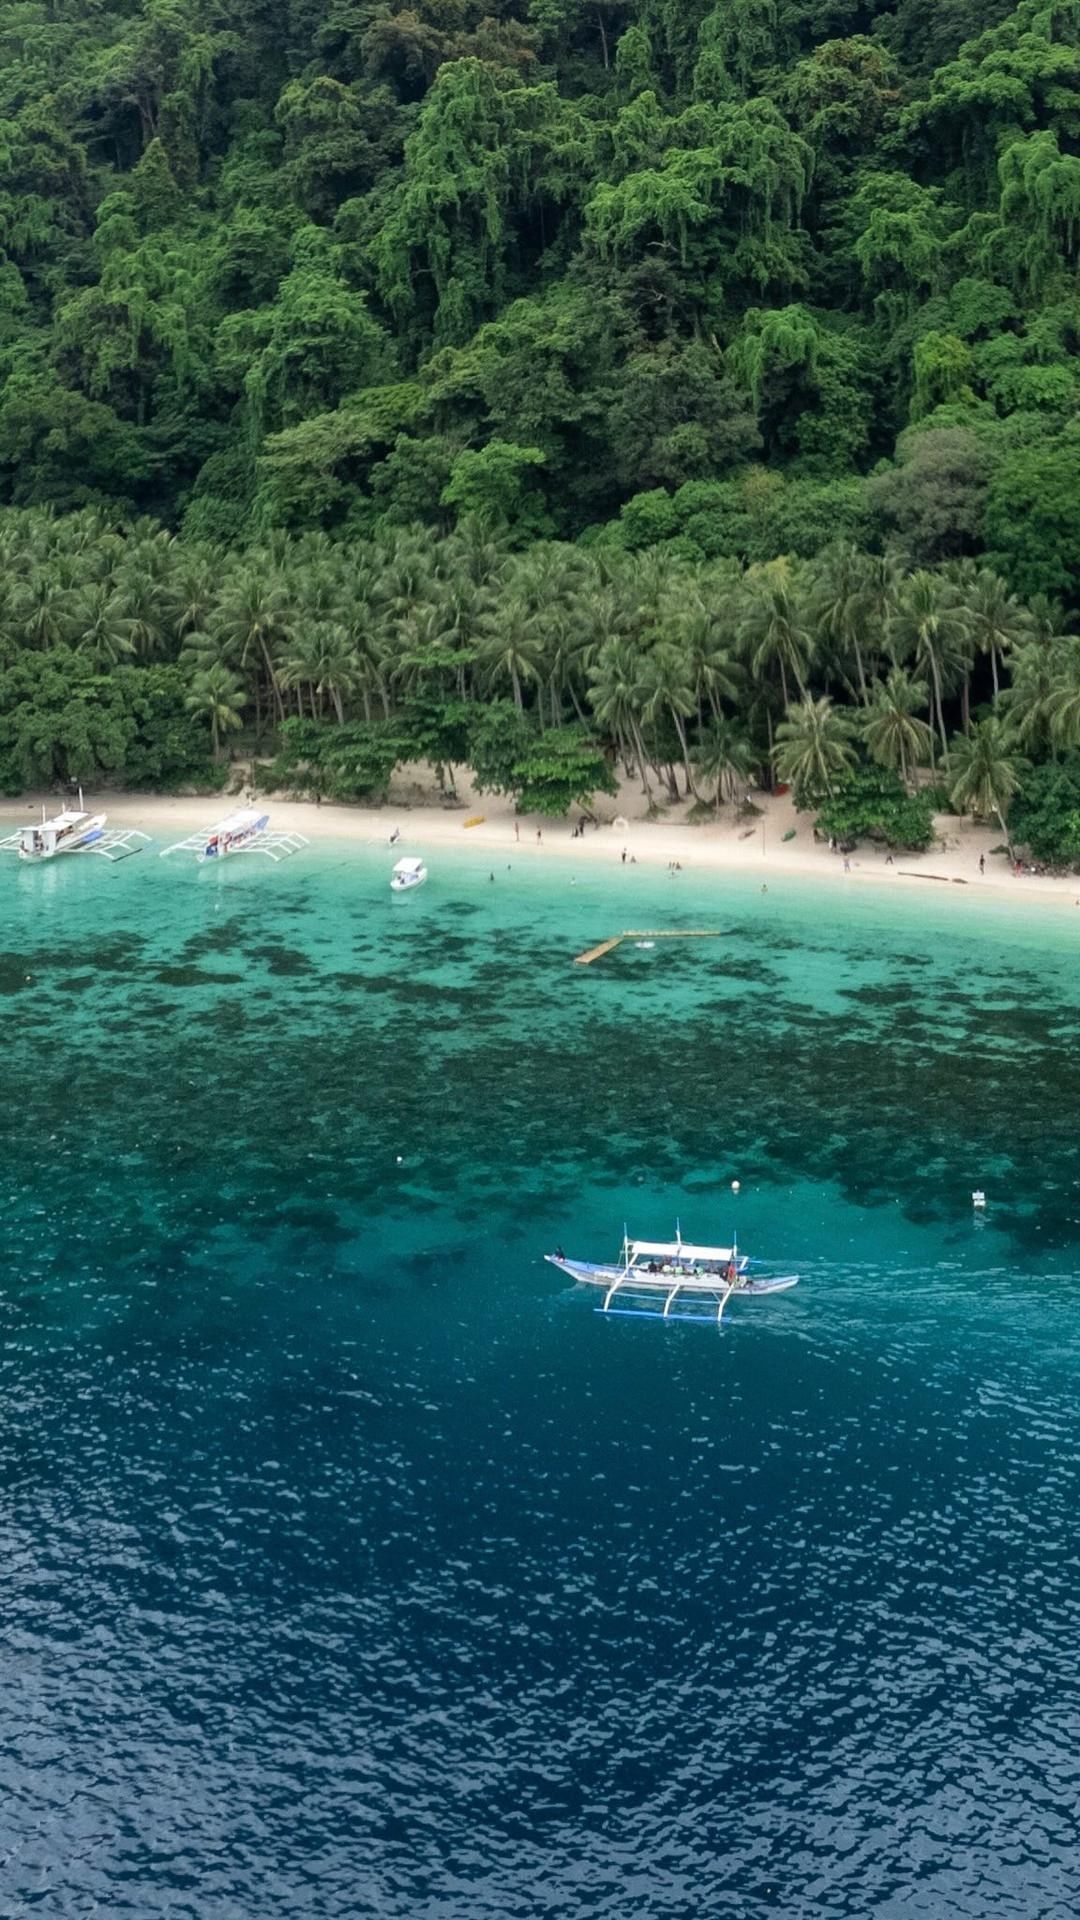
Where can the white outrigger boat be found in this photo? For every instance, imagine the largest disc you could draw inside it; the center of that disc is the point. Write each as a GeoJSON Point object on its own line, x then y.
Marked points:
{"type": "Point", "coordinates": [668, 1269]}
{"type": "Point", "coordinates": [74, 830]}
{"type": "Point", "coordinates": [408, 873]}
{"type": "Point", "coordinates": [247, 830]}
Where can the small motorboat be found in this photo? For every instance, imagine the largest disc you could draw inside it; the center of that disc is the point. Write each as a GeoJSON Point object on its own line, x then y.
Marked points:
{"type": "Point", "coordinates": [407, 874]}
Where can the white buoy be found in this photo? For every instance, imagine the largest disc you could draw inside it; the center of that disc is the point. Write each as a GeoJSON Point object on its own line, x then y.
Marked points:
{"type": "Point", "coordinates": [400, 1160]}
{"type": "Point", "coordinates": [735, 1186]}
{"type": "Point", "coordinates": [978, 1198]}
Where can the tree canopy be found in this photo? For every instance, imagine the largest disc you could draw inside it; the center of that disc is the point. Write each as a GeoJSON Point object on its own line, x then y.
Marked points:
{"type": "Point", "coordinates": [361, 261]}
{"type": "Point", "coordinates": [535, 384]}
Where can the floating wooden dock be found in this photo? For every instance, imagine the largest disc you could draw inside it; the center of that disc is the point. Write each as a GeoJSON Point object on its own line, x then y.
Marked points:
{"type": "Point", "coordinates": [663, 933]}
{"type": "Point", "coordinates": [597, 953]}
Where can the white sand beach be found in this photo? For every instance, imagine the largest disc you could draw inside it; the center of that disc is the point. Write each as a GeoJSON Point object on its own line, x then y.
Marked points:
{"type": "Point", "coordinates": [779, 842]}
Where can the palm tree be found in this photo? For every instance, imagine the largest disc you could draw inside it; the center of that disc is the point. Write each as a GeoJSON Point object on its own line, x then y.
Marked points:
{"type": "Point", "coordinates": [600, 623]}
{"type": "Point", "coordinates": [193, 591]}
{"type": "Point", "coordinates": [1063, 704]}
{"type": "Point", "coordinates": [703, 634]}
{"type": "Point", "coordinates": [772, 630]}
{"type": "Point", "coordinates": [994, 617]}
{"type": "Point", "coordinates": [1043, 671]}
{"type": "Point", "coordinates": [548, 581]}
{"type": "Point", "coordinates": [813, 746]}
{"type": "Point", "coordinates": [927, 627]}
{"type": "Point", "coordinates": [890, 729]}
{"type": "Point", "coordinates": [42, 608]}
{"type": "Point", "coordinates": [145, 607]}
{"type": "Point", "coordinates": [208, 649]}
{"type": "Point", "coordinates": [101, 628]}
{"type": "Point", "coordinates": [510, 647]}
{"type": "Point", "coordinates": [254, 614]}
{"type": "Point", "coordinates": [325, 663]}
{"type": "Point", "coordinates": [668, 686]}
{"type": "Point", "coordinates": [217, 696]}
{"type": "Point", "coordinates": [842, 607]}
{"type": "Point", "coordinates": [724, 759]}
{"type": "Point", "coordinates": [618, 695]}
{"type": "Point", "coordinates": [985, 771]}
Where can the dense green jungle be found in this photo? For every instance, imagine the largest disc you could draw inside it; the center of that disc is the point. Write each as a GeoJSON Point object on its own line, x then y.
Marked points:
{"type": "Point", "coordinates": [527, 385]}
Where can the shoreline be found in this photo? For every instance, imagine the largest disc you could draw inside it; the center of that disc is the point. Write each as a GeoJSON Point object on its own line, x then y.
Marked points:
{"type": "Point", "coordinates": [779, 843]}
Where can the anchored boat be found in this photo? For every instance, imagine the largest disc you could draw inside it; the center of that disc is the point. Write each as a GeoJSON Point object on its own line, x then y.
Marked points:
{"type": "Point", "coordinates": [669, 1269]}
{"type": "Point", "coordinates": [75, 830]}
{"type": "Point", "coordinates": [245, 831]}
{"type": "Point", "coordinates": [407, 875]}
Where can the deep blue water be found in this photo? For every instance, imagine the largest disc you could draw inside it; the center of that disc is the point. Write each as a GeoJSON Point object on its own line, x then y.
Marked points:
{"type": "Point", "coordinates": [353, 1565]}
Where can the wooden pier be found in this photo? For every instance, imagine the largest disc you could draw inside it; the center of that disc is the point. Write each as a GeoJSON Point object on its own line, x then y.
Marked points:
{"type": "Point", "coordinates": [662, 933]}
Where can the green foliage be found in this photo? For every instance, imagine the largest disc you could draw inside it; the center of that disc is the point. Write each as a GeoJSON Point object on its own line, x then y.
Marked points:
{"type": "Point", "coordinates": [339, 763]}
{"type": "Point", "coordinates": [1046, 812]}
{"type": "Point", "coordinates": [544, 772]}
{"type": "Point", "coordinates": [869, 803]}
{"type": "Point", "coordinates": [646, 366]}
{"type": "Point", "coordinates": [493, 486]}
{"type": "Point", "coordinates": [1033, 517]}
{"type": "Point", "coordinates": [347, 265]}
{"type": "Point", "coordinates": [62, 720]}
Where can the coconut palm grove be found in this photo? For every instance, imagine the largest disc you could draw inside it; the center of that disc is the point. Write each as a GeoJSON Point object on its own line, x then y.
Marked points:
{"type": "Point", "coordinates": [536, 386]}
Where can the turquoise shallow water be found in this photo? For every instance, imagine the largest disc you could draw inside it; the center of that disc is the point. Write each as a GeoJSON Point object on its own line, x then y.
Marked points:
{"type": "Point", "coordinates": [352, 1564]}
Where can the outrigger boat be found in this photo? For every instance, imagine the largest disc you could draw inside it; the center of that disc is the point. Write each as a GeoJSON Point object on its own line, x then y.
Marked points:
{"type": "Point", "coordinates": [245, 831]}
{"type": "Point", "coordinates": [74, 830]}
{"type": "Point", "coordinates": [652, 1269]}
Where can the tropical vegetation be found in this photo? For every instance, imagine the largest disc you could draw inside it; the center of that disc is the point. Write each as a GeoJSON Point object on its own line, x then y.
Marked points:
{"type": "Point", "coordinates": [539, 386]}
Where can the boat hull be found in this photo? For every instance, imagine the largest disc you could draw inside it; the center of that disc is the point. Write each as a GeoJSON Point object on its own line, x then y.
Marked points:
{"type": "Point", "coordinates": [612, 1274]}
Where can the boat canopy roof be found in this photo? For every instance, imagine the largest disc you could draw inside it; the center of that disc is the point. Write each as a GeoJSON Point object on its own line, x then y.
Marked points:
{"type": "Point", "coordinates": [677, 1250]}
{"type": "Point", "coordinates": [408, 866]}
{"type": "Point", "coordinates": [59, 822]}
{"type": "Point", "coordinates": [236, 822]}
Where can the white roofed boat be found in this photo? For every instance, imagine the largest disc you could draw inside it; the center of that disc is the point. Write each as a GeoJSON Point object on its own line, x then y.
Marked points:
{"type": "Point", "coordinates": [407, 874]}
{"type": "Point", "coordinates": [74, 830]}
{"type": "Point", "coordinates": [672, 1270]}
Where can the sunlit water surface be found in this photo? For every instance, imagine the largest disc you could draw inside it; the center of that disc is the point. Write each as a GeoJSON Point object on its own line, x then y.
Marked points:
{"type": "Point", "coordinates": [353, 1565]}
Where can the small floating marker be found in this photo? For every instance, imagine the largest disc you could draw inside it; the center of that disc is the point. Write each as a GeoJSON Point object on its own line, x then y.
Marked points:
{"type": "Point", "coordinates": [735, 1185]}
{"type": "Point", "coordinates": [400, 1160]}
{"type": "Point", "coordinates": [978, 1198]}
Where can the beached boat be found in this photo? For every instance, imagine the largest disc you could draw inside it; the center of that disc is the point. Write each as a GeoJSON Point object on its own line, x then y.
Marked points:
{"type": "Point", "coordinates": [651, 1270]}
{"type": "Point", "coordinates": [407, 874]}
{"type": "Point", "coordinates": [74, 830]}
{"type": "Point", "coordinates": [247, 830]}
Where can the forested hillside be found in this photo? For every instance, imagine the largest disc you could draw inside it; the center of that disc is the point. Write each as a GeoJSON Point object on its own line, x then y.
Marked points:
{"type": "Point", "coordinates": [701, 285]}
{"type": "Point", "coordinates": [696, 269]}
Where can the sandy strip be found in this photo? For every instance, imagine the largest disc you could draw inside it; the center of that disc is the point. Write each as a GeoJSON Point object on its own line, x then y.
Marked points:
{"type": "Point", "coordinates": [758, 849]}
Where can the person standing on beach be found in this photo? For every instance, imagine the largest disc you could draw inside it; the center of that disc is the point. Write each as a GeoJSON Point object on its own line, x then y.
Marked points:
{"type": "Point", "coordinates": [982, 863]}
{"type": "Point", "coordinates": [624, 856]}
{"type": "Point", "coordinates": [539, 838]}
{"type": "Point", "coordinates": [517, 831]}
